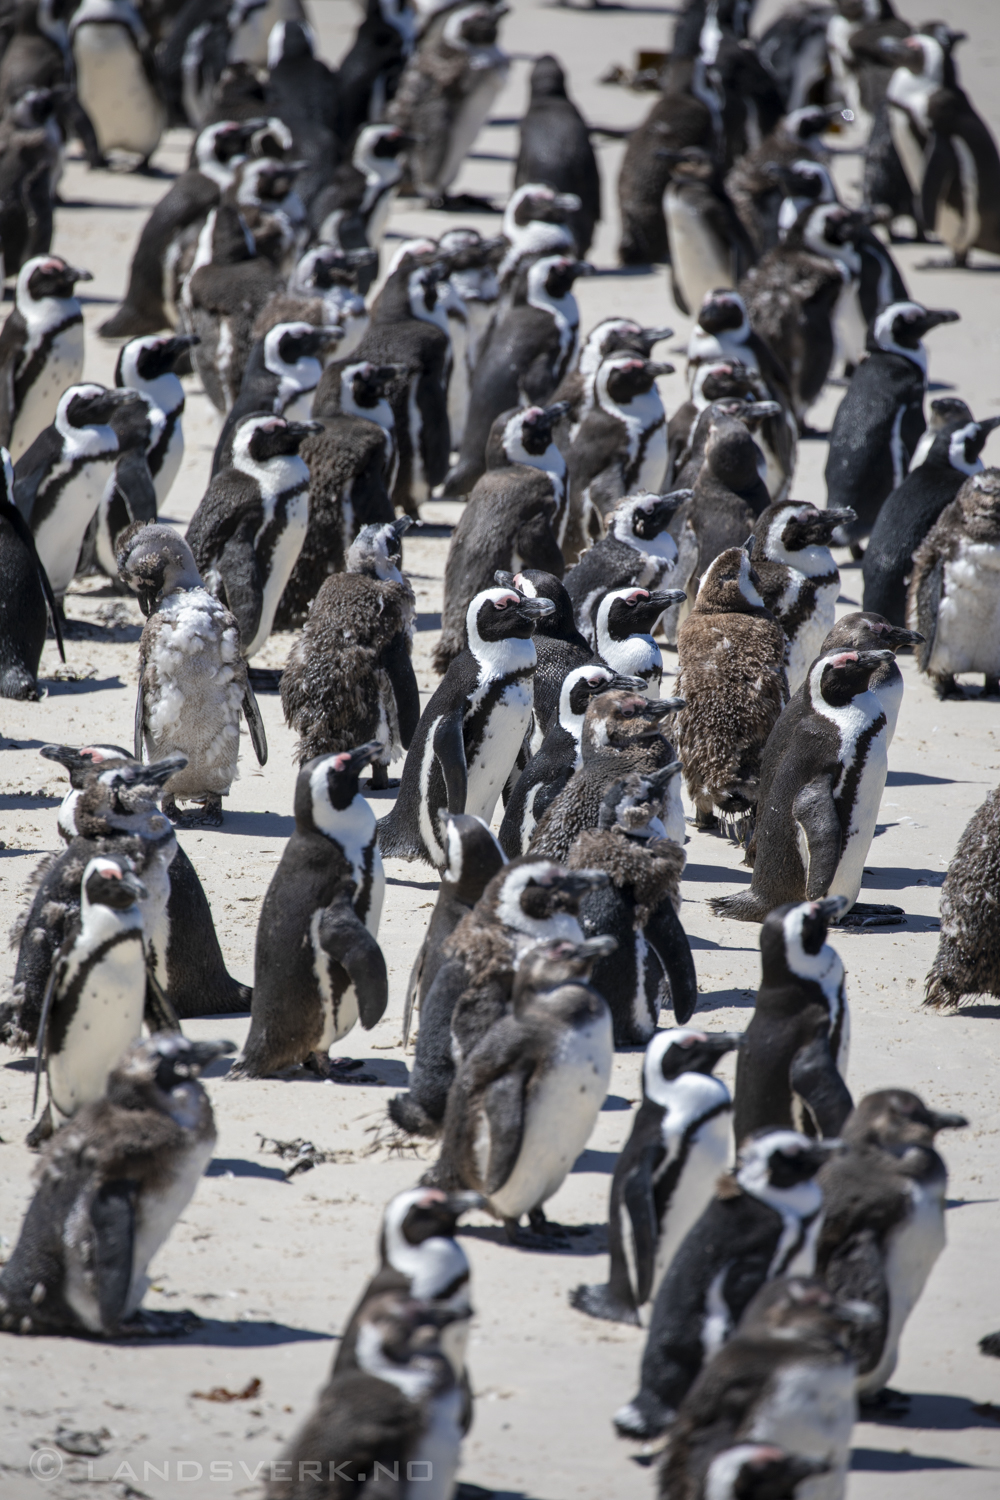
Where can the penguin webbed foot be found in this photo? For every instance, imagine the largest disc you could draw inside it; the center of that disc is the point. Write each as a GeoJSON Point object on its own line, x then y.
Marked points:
{"type": "Point", "coordinates": [207, 812]}
{"type": "Point", "coordinates": [644, 1418]}
{"type": "Point", "coordinates": [871, 914]}
{"type": "Point", "coordinates": [884, 1403]}
{"type": "Point", "coordinates": [338, 1069]}
{"type": "Point", "coordinates": [42, 1130]}
{"type": "Point", "coordinates": [145, 1323]}
{"type": "Point", "coordinates": [599, 1302]}
{"type": "Point", "coordinates": [542, 1233]}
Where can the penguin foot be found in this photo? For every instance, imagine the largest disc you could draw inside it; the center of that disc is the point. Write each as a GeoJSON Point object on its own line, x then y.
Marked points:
{"type": "Point", "coordinates": [411, 1117]}
{"type": "Point", "coordinates": [884, 1403]}
{"type": "Point", "coordinates": [645, 1417]}
{"type": "Point", "coordinates": [147, 1324]}
{"type": "Point", "coordinates": [991, 687]}
{"type": "Point", "coordinates": [380, 781]}
{"type": "Point", "coordinates": [598, 1302]}
{"type": "Point", "coordinates": [338, 1069]}
{"type": "Point", "coordinates": [41, 1131]}
{"type": "Point", "coordinates": [870, 914]}
{"type": "Point", "coordinates": [990, 1345]}
{"type": "Point", "coordinates": [463, 203]}
{"type": "Point", "coordinates": [207, 812]}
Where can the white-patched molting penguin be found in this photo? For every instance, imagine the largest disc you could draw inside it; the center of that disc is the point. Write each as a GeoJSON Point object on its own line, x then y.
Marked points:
{"type": "Point", "coordinates": [318, 969]}
{"type": "Point", "coordinates": [792, 1069]}
{"type": "Point", "coordinates": [528, 901]}
{"type": "Point", "coordinates": [116, 77]}
{"type": "Point", "coordinates": [329, 278]}
{"type": "Point", "coordinates": [531, 348]}
{"type": "Point", "coordinates": [815, 827]}
{"type": "Point", "coordinates": [514, 518]}
{"type": "Point", "coordinates": [966, 962]}
{"type": "Point", "coordinates": [350, 212]}
{"type": "Point", "coordinates": [951, 457]}
{"type": "Point", "coordinates": [709, 246]}
{"type": "Point", "coordinates": [110, 1189]}
{"type": "Point", "coordinates": [953, 599]}
{"type": "Point", "coordinates": [624, 621]}
{"type": "Point", "coordinates": [470, 732]}
{"type": "Point", "coordinates": [666, 1174]}
{"type": "Point", "coordinates": [349, 678]}
{"type": "Point", "coordinates": [550, 768]}
{"type": "Point", "coordinates": [59, 481]}
{"type": "Point", "coordinates": [798, 579]}
{"type": "Point", "coordinates": [188, 702]}
{"type": "Point", "coordinates": [281, 374]}
{"type": "Point", "coordinates": [148, 365]}
{"type": "Point", "coordinates": [27, 602]}
{"type": "Point", "coordinates": [622, 732]}
{"type": "Point", "coordinates": [41, 349]}
{"type": "Point", "coordinates": [526, 1098]}
{"type": "Point", "coordinates": [763, 1222]}
{"type": "Point", "coordinates": [881, 418]}
{"type": "Point", "coordinates": [250, 524]}
{"type": "Point", "coordinates": [637, 551]}
{"type": "Point", "coordinates": [640, 907]}
{"type": "Point", "coordinates": [885, 1227]}
{"type": "Point", "coordinates": [784, 1381]}
{"type": "Point", "coordinates": [474, 857]}
{"type": "Point", "coordinates": [729, 492]}
{"type": "Point", "coordinates": [731, 674]}
{"type": "Point", "coordinates": [559, 647]}
{"type": "Point", "coordinates": [555, 147]}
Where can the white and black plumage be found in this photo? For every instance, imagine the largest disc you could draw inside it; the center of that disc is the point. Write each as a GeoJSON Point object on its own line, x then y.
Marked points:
{"type": "Point", "coordinates": [637, 551]}
{"type": "Point", "coordinates": [729, 492]}
{"type": "Point", "coordinates": [678, 118]}
{"type": "Point", "coordinates": [763, 1222]}
{"type": "Point", "coordinates": [350, 212]}
{"type": "Point", "coordinates": [302, 91]}
{"type": "Point", "coordinates": [756, 184]}
{"type": "Point", "coordinates": [41, 349]}
{"type": "Point", "coordinates": [555, 148]}
{"type": "Point", "coordinates": [913, 508]}
{"type": "Point", "coordinates": [250, 524]}
{"type": "Point", "coordinates": [110, 1190]}
{"type": "Point", "coordinates": [610, 336]}
{"type": "Point", "coordinates": [470, 732]}
{"type": "Point", "coordinates": [349, 678]}
{"type": "Point", "coordinates": [792, 1069]}
{"type": "Point", "coordinates": [59, 480]}
{"type": "Point", "coordinates": [535, 224]}
{"type": "Point", "coordinates": [27, 602]}
{"type": "Point", "coordinates": [512, 518]}
{"type": "Point", "coordinates": [281, 374]}
{"type": "Point", "coordinates": [714, 380]}
{"type": "Point", "coordinates": [709, 247]}
{"type": "Point", "coordinates": [624, 622]}
{"type": "Point", "coordinates": [558, 756]}
{"type": "Point", "coordinates": [116, 77]}
{"type": "Point", "coordinates": [966, 961]}
{"type": "Point", "coordinates": [264, 194]}
{"type": "Point", "coordinates": [880, 420]}
{"type": "Point", "coordinates": [526, 1098]}
{"type": "Point", "coordinates": [331, 279]}
{"type": "Point", "coordinates": [129, 493]}
{"type": "Point", "coordinates": [666, 1173]}
{"type": "Point", "coordinates": [884, 1226]}
{"type": "Point", "coordinates": [148, 365]}
{"type": "Point", "coordinates": [318, 969]}
{"type": "Point", "coordinates": [798, 578]}
{"type": "Point", "coordinates": [559, 646]}
{"type": "Point", "coordinates": [954, 597]}
{"type": "Point", "coordinates": [188, 702]}
{"type": "Point", "coordinates": [32, 142]}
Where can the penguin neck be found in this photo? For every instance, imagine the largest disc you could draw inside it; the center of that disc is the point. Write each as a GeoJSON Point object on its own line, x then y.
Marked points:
{"type": "Point", "coordinates": [414, 1382]}
{"type": "Point", "coordinates": [572, 723]}
{"type": "Point", "coordinates": [685, 1098]}
{"type": "Point", "coordinates": [562, 310]}
{"type": "Point", "coordinates": [433, 1266]}
{"type": "Point", "coordinates": [505, 658]}
{"type": "Point", "coordinates": [550, 462]}
{"type": "Point", "coordinates": [275, 478]}
{"type": "Point", "coordinates": [956, 454]}
{"type": "Point", "coordinates": [823, 968]}
{"type": "Point", "coordinates": [165, 392]}
{"type": "Point", "coordinates": [44, 314]}
{"type": "Point", "coordinates": [794, 1204]}
{"type": "Point", "coordinates": [380, 174]}
{"type": "Point", "coordinates": [912, 92]}
{"type": "Point", "coordinates": [380, 413]}
{"type": "Point", "coordinates": [634, 656]}
{"type": "Point", "coordinates": [918, 356]}
{"type": "Point", "coordinates": [529, 241]}
{"type": "Point", "coordinates": [638, 416]}
{"type": "Point", "coordinates": [731, 343]}
{"type": "Point", "coordinates": [293, 380]}
{"type": "Point", "coordinates": [99, 923]}
{"type": "Point", "coordinates": [851, 719]}
{"type": "Point", "coordinates": [814, 561]}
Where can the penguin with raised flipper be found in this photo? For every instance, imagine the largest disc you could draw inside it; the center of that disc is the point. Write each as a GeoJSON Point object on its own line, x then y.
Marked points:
{"type": "Point", "coordinates": [637, 551]}
{"type": "Point", "coordinates": [555, 148]}
{"type": "Point", "coordinates": [26, 599]}
{"type": "Point", "coordinates": [666, 1174]}
{"type": "Point", "coordinates": [41, 349]}
{"type": "Point", "coordinates": [149, 365]}
{"type": "Point", "coordinates": [798, 578]}
{"type": "Point", "coordinates": [318, 969]}
{"type": "Point", "coordinates": [281, 374]}
{"type": "Point", "coordinates": [763, 1222]}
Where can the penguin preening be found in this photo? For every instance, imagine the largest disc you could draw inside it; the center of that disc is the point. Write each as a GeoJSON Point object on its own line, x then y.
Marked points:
{"type": "Point", "coordinates": [665, 1175]}
{"type": "Point", "coordinates": [966, 962]}
{"type": "Point", "coordinates": [318, 969]}
{"type": "Point", "coordinates": [41, 349]}
{"type": "Point", "coordinates": [798, 579]}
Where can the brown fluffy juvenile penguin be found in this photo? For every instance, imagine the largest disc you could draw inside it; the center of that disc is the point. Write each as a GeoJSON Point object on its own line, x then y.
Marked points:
{"type": "Point", "coordinates": [967, 961]}
{"type": "Point", "coordinates": [731, 675]}
{"type": "Point", "coordinates": [349, 678]}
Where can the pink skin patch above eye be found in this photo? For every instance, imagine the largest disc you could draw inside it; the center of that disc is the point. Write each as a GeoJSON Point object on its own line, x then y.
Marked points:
{"type": "Point", "coordinates": [109, 871]}
{"type": "Point", "coordinates": [841, 661]}
{"type": "Point", "coordinates": [341, 762]}
{"type": "Point", "coordinates": [506, 599]}
{"type": "Point", "coordinates": [636, 595]}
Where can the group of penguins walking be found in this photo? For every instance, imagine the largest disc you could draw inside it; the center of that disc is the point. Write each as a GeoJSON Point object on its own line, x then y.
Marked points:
{"type": "Point", "coordinates": [775, 1242]}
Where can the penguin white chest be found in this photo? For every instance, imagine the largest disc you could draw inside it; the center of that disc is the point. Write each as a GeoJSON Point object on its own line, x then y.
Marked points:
{"type": "Point", "coordinates": [863, 815]}
{"type": "Point", "coordinates": [107, 1019]}
{"type": "Point", "coordinates": [810, 1409]}
{"type": "Point", "coordinates": [62, 368]}
{"type": "Point", "coordinates": [278, 566]}
{"type": "Point", "coordinates": [912, 1249]}
{"type": "Point", "coordinates": [157, 1213]}
{"type": "Point", "coordinates": [434, 1463]}
{"type": "Point", "coordinates": [700, 261]}
{"type": "Point", "coordinates": [114, 90]}
{"type": "Point", "coordinates": [968, 622]}
{"type": "Point", "coordinates": [707, 1156]}
{"type": "Point", "coordinates": [561, 1107]}
{"type": "Point", "coordinates": [60, 534]}
{"type": "Point", "coordinates": [804, 646]}
{"type": "Point", "coordinates": [493, 758]}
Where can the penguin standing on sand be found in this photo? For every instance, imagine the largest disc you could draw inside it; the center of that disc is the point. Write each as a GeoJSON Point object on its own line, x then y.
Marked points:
{"type": "Point", "coordinates": [281, 375]}
{"type": "Point", "coordinates": [792, 1069]}
{"type": "Point", "coordinates": [468, 737]}
{"type": "Point", "coordinates": [798, 578]}
{"type": "Point", "coordinates": [555, 148]}
{"type": "Point", "coordinates": [559, 646]}
{"type": "Point", "coordinates": [41, 349]}
{"type": "Point", "coordinates": [729, 492]}
{"type": "Point", "coordinates": [129, 494]}
{"type": "Point", "coordinates": [879, 422]}
{"type": "Point", "coordinates": [26, 599]}
{"type": "Point", "coordinates": [110, 1191]}
{"type": "Point", "coordinates": [116, 77]}
{"type": "Point", "coordinates": [666, 1174]}
{"type": "Point", "coordinates": [623, 633]}
{"type": "Point", "coordinates": [967, 962]}
{"type": "Point", "coordinates": [709, 247]}
{"type": "Point", "coordinates": [763, 1222]}
{"type": "Point", "coordinates": [318, 969]}
{"type": "Point", "coordinates": [148, 365]}
{"type": "Point", "coordinates": [637, 551]}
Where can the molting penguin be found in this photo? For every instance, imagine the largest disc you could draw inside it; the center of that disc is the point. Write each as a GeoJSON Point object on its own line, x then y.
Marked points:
{"type": "Point", "coordinates": [798, 578]}
{"type": "Point", "coordinates": [763, 1222]}
{"type": "Point", "coordinates": [26, 599]}
{"type": "Point", "coordinates": [555, 148]}
{"type": "Point", "coordinates": [792, 1069]}
{"type": "Point", "coordinates": [468, 737]}
{"type": "Point", "coordinates": [110, 1191]}
{"type": "Point", "coordinates": [318, 968]}
{"type": "Point", "coordinates": [250, 524]}
{"type": "Point", "coordinates": [148, 365]}
{"type": "Point", "coordinates": [967, 962]}
{"type": "Point", "coordinates": [755, 184]}
{"type": "Point", "coordinates": [280, 377]}
{"type": "Point", "coordinates": [666, 1173]}
{"type": "Point", "coordinates": [41, 349]}
{"type": "Point", "coordinates": [709, 247]}
{"type": "Point", "coordinates": [731, 674]}
{"type": "Point", "coordinates": [881, 418]}
{"type": "Point", "coordinates": [636, 552]}
{"type": "Point", "coordinates": [623, 627]}
{"type": "Point", "coordinates": [116, 77]}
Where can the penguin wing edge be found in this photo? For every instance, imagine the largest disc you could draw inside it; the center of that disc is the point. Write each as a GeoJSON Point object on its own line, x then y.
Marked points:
{"type": "Point", "coordinates": [855, 1272]}
{"type": "Point", "coordinates": [940, 172]}
{"type": "Point", "coordinates": [503, 1103]}
{"type": "Point", "coordinates": [112, 1218]}
{"type": "Point", "coordinates": [815, 815]}
{"type": "Point", "coordinates": [403, 681]}
{"type": "Point", "coordinates": [814, 1077]}
{"type": "Point", "coordinates": [639, 1201]}
{"type": "Point", "coordinates": [255, 724]}
{"type": "Point", "coordinates": [24, 533]}
{"type": "Point", "coordinates": [665, 933]}
{"type": "Point", "coordinates": [449, 747]}
{"type": "Point", "coordinates": [349, 943]}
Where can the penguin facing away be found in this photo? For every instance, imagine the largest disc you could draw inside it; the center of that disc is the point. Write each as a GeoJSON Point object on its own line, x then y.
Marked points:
{"type": "Point", "coordinates": [966, 961]}
{"type": "Point", "coordinates": [26, 599]}
{"type": "Point", "coordinates": [555, 148]}
{"type": "Point", "coordinates": [709, 247]}
{"type": "Point", "coordinates": [665, 1175]}
{"type": "Point", "coordinates": [41, 349]}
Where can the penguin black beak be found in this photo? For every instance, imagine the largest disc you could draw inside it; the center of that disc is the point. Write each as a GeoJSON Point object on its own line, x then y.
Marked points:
{"type": "Point", "coordinates": [534, 609]}
{"type": "Point", "coordinates": [77, 275]}
{"type": "Point", "coordinates": [555, 413]}
{"type": "Point", "coordinates": [620, 685]}
{"type": "Point", "coordinates": [820, 528]}
{"type": "Point", "coordinates": [302, 430]}
{"type": "Point", "coordinates": [156, 774]}
{"type": "Point", "coordinates": [898, 637]}
{"type": "Point", "coordinates": [402, 525]}
{"type": "Point", "coordinates": [660, 707]}
{"type": "Point", "coordinates": [832, 907]}
{"type": "Point", "coordinates": [667, 598]}
{"type": "Point", "coordinates": [363, 755]}
{"type": "Point", "coordinates": [580, 882]}
{"type": "Point", "coordinates": [721, 1042]}
{"type": "Point", "coordinates": [933, 318]}
{"type": "Point", "coordinates": [665, 774]}
{"type": "Point", "coordinates": [651, 336]}
{"type": "Point", "coordinates": [131, 882]}
{"type": "Point", "coordinates": [180, 343]}
{"type": "Point", "coordinates": [654, 369]}
{"type": "Point", "coordinates": [568, 202]}
{"type": "Point", "coordinates": [763, 409]}
{"type": "Point", "coordinates": [66, 755]}
{"type": "Point", "coordinates": [505, 581]}
{"type": "Point", "coordinates": [942, 1119]}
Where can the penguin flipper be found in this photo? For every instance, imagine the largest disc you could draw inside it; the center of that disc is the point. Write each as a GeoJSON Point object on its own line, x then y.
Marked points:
{"type": "Point", "coordinates": [158, 1011]}
{"type": "Point", "coordinates": [855, 1272]}
{"type": "Point", "coordinates": [13, 337]}
{"type": "Point", "coordinates": [814, 1077]}
{"type": "Point", "coordinates": [255, 724]}
{"type": "Point", "coordinates": [24, 533]}
{"type": "Point", "coordinates": [412, 990]}
{"type": "Point", "coordinates": [43, 1026]}
{"type": "Point", "coordinates": [503, 1104]}
{"type": "Point", "coordinates": [940, 171]}
{"type": "Point", "coordinates": [815, 815]}
{"type": "Point", "coordinates": [349, 943]}
{"type": "Point", "coordinates": [664, 932]}
{"type": "Point", "coordinates": [140, 717]}
{"type": "Point", "coordinates": [402, 679]}
{"type": "Point", "coordinates": [925, 602]}
{"type": "Point", "coordinates": [449, 747]}
{"type": "Point", "coordinates": [112, 1218]}
{"type": "Point", "coordinates": [637, 1195]}
{"type": "Point", "coordinates": [241, 580]}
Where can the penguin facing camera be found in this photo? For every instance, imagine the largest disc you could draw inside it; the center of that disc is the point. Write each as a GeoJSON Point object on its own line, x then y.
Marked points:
{"type": "Point", "coordinates": [677, 119]}
{"type": "Point", "coordinates": [27, 603]}
{"type": "Point", "coordinates": [149, 365]}
{"type": "Point", "coordinates": [469, 734]}
{"type": "Point", "coordinates": [555, 148]}
{"type": "Point", "coordinates": [709, 247]}
{"type": "Point", "coordinates": [41, 349]}
{"type": "Point", "coordinates": [763, 1222]}
{"type": "Point", "coordinates": [623, 632]}
{"type": "Point", "coordinates": [966, 962]}
{"type": "Point", "coordinates": [116, 79]}
{"type": "Point", "coordinates": [187, 698]}
{"type": "Point", "coordinates": [281, 375]}
{"type": "Point", "coordinates": [349, 673]}
{"type": "Point", "coordinates": [666, 1173]}
{"type": "Point", "coordinates": [797, 577]}
{"type": "Point", "coordinates": [318, 968]}
{"type": "Point", "coordinates": [534, 1086]}
{"type": "Point", "coordinates": [109, 1193]}
{"type": "Point", "coordinates": [637, 551]}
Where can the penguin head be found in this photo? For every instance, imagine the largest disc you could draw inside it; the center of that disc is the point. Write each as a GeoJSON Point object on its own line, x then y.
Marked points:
{"type": "Point", "coordinates": [610, 335]}
{"type": "Point", "coordinates": [779, 1161]}
{"type": "Point", "coordinates": [154, 562]}
{"type": "Point", "coordinates": [33, 108]}
{"type": "Point", "coordinates": [759, 1471]}
{"type": "Point", "coordinates": [804, 180]}
{"type": "Point", "coordinates": [328, 266]}
{"type": "Point", "coordinates": [473, 26]}
{"type": "Point", "coordinates": [84, 763]}
{"type": "Point", "coordinates": [47, 276]}
{"type": "Point", "coordinates": [724, 311]}
{"type": "Point", "coordinates": [723, 380]}
{"type": "Point", "coordinates": [619, 720]}
{"type": "Point", "coordinates": [646, 517]}
{"type": "Point", "coordinates": [294, 350]}
{"type": "Point", "coordinates": [811, 120]}
{"type": "Point", "coordinates": [899, 328]}
{"type": "Point", "coordinates": [554, 276]}
{"type": "Point", "coordinates": [501, 615]}
{"type": "Point", "coordinates": [830, 229]}
{"type": "Point", "coordinates": [399, 1340]}
{"type": "Point", "coordinates": [635, 611]}
{"type": "Point", "coordinates": [363, 385]}
{"type": "Point", "coordinates": [112, 883]}
{"type": "Point", "coordinates": [801, 1307]}
{"type": "Point", "coordinates": [419, 1215]}
{"type": "Point", "coordinates": [534, 202]}
{"type": "Point", "coordinates": [328, 784]}
{"type": "Point", "coordinates": [793, 940]}
{"type": "Point", "coordinates": [379, 143]}
{"type": "Point", "coordinates": [472, 855]}
{"type": "Point", "coordinates": [160, 1065]}
{"type": "Point", "coordinates": [548, 81]}
{"type": "Point", "coordinates": [535, 583]}
{"type": "Point", "coordinates": [623, 377]}
{"type": "Point", "coordinates": [377, 551]}
{"type": "Point", "coordinates": [90, 406]}
{"type": "Point", "coordinates": [634, 804]}
{"type": "Point", "coordinates": [731, 585]}
{"type": "Point", "coordinates": [965, 444]}
{"type": "Point", "coordinates": [151, 356]}
{"type": "Point", "coordinates": [585, 683]}
{"type": "Point", "coordinates": [266, 182]}
{"type": "Point", "coordinates": [837, 678]}
{"type": "Point", "coordinates": [864, 630]}
{"type": "Point", "coordinates": [785, 531]}
{"type": "Point", "coordinates": [219, 149]}
{"type": "Point", "coordinates": [895, 1119]}
{"type": "Point", "coordinates": [539, 898]}
{"type": "Point", "coordinates": [683, 1049]}
{"type": "Point", "coordinates": [263, 438]}
{"type": "Point", "coordinates": [544, 967]}
{"type": "Point", "coordinates": [524, 435]}
{"type": "Point", "coordinates": [925, 54]}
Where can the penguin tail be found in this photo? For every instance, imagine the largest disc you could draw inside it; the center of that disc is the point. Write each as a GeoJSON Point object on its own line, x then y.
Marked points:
{"type": "Point", "coordinates": [744, 906]}
{"type": "Point", "coordinates": [129, 323]}
{"type": "Point", "coordinates": [229, 998]}
{"type": "Point", "coordinates": [408, 1115]}
{"type": "Point", "coordinates": [600, 1302]}
{"type": "Point", "coordinates": [943, 990]}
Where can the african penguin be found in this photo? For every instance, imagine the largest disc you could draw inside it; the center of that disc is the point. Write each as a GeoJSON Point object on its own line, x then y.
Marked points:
{"type": "Point", "coordinates": [281, 374]}
{"type": "Point", "coordinates": [624, 622]}
{"type": "Point", "coordinates": [331, 277]}
{"type": "Point", "coordinates": [351, 210]}
{"type": "Point", "coordinates": [535, 224]}
{"type": "Point", "coordinates": [637, 551]}
{"type": "Point", "coordinates": [709, 246]}
{"type": "Point", "coordinates": [116, 79]}
{"type": "Point", "coordinates": [729, 492]}
{"type": "Point", "coordinates": [555, 148]}
{"type": "Point", "coordinates": [148, 365]}
{"type": "Point", "coordinates": [129, 493]}
{"type": "Point", "coordinates": [559, 646]}
{"type": "Point", "coordinates": [966, 960]}
{"type": "Point", "coordinates": [26, 599]}
{"type": "Point", "coordinates": [41, 349]}
{"type": "Point", "coordinates": [798, 578]}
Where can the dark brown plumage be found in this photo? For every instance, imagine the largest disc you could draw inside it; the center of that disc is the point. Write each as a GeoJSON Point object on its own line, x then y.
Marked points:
{"type": "Point", "coordinates": [728, 493]}
{"type": "Point", "coordinates": [790, 296]}
{"type": "Point", "coordinates": [967, 961]}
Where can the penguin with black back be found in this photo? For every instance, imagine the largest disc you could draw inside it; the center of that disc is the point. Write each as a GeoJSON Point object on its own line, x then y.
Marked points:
{"type": "Point", "coordinates": [665, 1176]}
{"type": "Point", "coordinates": [351, 209]}
{"type": "Point", "coordinates": [32, 140]}
{"type": "Point", "coordinates": [41, 349]}
{"type": "Point", "coordinates": [470, 732]}
{"type": "Point", "coordinates": [729, 493]}
{"type": "Point", "coordinates": [370, 70]}
{"type": "Point", "coordinates": [555, 148]}
{"type": "Point", "coordinates": [637, 551]}
{"type": "Point", "coordinates": [318, 968]}
{"type": "Point", "coordinates": [709, 246]}
{"type": "Point", "coordinates": [149, 365]}
{"type": "Point", "coordinates": [677, 119]}
{"type": "Point", "coordinates": [763, 1222]}
{"type": "Point", "coordinates": [559, 646]}
{"type": "Point", "coordinates": [26, 599]}
{"type": "Point", "coordinates": [281, 374]}
{"type": "Point", "coordinates": [302, 92]}
{"type": "Point", "coordinates": [714, 380]}
{"type": "Point", "coordinates": [129, 493]}
{"type": "Point", "coordinates": [966, 962]}
{"type": "Point", "coordinates": [881, 418]}
{"type": "Point", "coordinates": [109, 1192]}
{"type": "Point", "coordinates": [797, 577]}
{"type": "Point", "coordinates": [623, 627]}
{"type": "Point", "coordinates": [913, 508]}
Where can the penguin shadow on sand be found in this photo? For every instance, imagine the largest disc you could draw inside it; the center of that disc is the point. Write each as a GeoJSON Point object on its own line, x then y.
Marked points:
{"type": "Point", "coordinates": [928, 1411]}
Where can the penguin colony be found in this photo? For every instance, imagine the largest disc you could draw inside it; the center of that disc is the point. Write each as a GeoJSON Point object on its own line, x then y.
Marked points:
{"type": "Point", "coordinates": [635, 602]}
